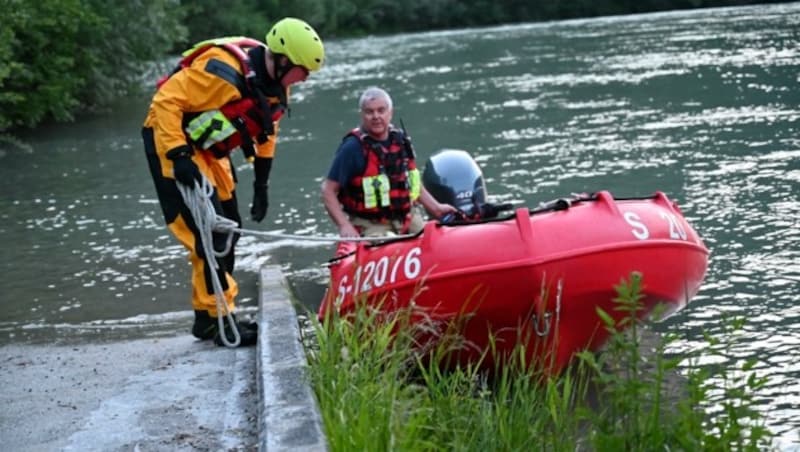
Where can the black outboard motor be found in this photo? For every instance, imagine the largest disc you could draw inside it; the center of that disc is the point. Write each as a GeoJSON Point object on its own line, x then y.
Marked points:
{"type": "Point", "coordinates": [452, 177]}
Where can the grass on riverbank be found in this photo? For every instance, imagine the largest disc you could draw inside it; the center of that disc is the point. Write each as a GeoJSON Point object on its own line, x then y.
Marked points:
{"type": "Point", "coordinates": [377, 391]}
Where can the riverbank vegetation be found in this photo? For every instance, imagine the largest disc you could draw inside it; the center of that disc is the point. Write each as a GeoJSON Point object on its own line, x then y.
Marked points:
{"type": "Point", "coordinates": [62, 57]}
{"type": "Point", "coordinates": [59, 58]}
{"type": "Point", "coordinates": [377, 392]}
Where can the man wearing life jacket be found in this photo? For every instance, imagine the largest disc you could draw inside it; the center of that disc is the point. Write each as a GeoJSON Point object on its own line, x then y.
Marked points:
{"type": "Point", "coordinates": [225, 94]}
{"type": "Point", "coordinates": [373, 186]}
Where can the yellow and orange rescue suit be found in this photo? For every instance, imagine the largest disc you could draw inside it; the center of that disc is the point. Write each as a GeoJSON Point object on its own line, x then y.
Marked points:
{"type": "Point", "coordinates": [213, 79]}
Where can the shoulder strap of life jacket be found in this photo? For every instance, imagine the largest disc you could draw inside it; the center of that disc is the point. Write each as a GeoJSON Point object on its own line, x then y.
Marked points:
{"type": "Point", "coordinates": [235, 45]}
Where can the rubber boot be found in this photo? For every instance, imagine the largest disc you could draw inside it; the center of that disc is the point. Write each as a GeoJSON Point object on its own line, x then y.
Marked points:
{"type": "Point", "coordinates": [248, 333]}
{"type": "Point", "coordinates": [207, 327]}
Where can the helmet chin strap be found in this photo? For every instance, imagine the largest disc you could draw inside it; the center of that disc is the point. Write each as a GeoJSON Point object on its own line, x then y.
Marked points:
{"type": "Point", "coordinates": [280, 69]}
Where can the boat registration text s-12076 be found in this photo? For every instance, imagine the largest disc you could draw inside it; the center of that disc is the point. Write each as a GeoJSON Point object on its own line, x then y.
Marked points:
{"type": "Point", "coordinates": [384, 270]}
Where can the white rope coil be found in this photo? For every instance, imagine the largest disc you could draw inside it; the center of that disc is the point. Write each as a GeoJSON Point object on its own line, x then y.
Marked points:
{"type": "Point", "coordinates": [198, 200]}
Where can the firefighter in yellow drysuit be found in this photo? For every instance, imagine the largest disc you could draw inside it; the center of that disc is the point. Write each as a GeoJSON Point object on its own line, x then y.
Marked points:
{"type": "Point", "coordinates": [225, 94]}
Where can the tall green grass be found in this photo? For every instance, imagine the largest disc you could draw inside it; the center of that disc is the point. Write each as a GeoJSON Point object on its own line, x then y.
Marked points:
{"type": "Point", "coordinates": [380, 389]}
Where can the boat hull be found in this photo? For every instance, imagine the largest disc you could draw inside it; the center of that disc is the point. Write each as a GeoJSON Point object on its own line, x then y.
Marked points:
{"type": "Point", "coordinates": [535, 279]}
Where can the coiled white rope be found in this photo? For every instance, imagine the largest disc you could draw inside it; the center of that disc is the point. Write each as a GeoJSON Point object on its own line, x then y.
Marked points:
{"type": "Point", "coordinates": [198, 200]}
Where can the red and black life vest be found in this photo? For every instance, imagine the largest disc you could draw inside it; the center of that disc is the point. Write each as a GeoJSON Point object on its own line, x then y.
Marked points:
{"type": "Point", "coordinates": [236, 123]}
{"type": "Point", "coordinates": [390, 181]}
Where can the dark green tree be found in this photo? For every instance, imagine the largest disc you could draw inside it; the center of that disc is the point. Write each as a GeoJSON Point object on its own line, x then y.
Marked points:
{"type": "Point", "coordinates": [208, 19]}
{"type": "Point", "coordinates": [59, 57]}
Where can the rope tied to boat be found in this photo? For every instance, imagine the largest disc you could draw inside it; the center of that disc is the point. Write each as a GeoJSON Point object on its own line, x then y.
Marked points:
{"type": "Point", "coordinates": [224, 228]}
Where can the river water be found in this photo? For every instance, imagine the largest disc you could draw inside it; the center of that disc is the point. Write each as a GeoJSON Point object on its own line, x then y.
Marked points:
{"type": "Point", "coordinates": [702, 105]}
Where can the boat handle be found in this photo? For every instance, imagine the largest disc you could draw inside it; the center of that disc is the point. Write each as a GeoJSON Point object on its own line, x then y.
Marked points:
{"type": "Point", "coordinates": [545, 330]}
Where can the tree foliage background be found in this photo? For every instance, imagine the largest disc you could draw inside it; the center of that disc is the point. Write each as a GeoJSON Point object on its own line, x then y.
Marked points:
{"type": "Point", "coordinates": [59, 58]}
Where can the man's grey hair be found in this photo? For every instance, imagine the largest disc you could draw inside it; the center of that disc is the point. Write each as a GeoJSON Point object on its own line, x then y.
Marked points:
{"type": "Point", "coordinates": [372, 93]}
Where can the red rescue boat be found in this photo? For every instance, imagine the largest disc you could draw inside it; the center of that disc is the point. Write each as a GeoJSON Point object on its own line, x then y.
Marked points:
{"type": "Point", "coordinates": [536, 276]}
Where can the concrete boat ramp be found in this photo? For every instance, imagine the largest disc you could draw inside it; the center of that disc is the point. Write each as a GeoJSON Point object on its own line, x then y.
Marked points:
{"type": "Point", "coordinates": [166, 393]}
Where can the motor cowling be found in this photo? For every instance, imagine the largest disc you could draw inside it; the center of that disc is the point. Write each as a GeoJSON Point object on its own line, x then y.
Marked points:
{"type": "Point", "coordinates": [453, 177]}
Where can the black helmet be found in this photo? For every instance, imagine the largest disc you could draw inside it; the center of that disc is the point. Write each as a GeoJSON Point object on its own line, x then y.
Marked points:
{"type": "Point", "coordinates": [452, 177]}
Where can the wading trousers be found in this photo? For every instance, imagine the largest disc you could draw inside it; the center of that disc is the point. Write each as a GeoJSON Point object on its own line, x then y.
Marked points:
{"type": "Point", "coordinates": [179, 221]}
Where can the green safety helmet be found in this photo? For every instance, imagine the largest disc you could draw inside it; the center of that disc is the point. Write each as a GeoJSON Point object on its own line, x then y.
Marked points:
{"type": "Point", "coordinates": [298, 41]}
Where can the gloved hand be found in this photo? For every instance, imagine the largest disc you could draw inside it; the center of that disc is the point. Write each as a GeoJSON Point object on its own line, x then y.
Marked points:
{"type": "Point", "coordinates": [260, 202]}
{"type": "Point", "coordinates": [184, 169]}
{"type": "Point", "coordinates": [262, 167]}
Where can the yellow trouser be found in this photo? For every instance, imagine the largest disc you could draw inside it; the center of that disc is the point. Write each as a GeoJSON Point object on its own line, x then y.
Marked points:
{"type": "Point", "coordinates": [222, 178]}
{"type": "Point", "coordinates": [180, 223]}
{"type": "Point", "coordinates": [203, 297]}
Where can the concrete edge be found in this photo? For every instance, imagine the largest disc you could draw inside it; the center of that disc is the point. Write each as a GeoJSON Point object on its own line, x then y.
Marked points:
{"type": "Point", "coordinates": [289, 417]}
